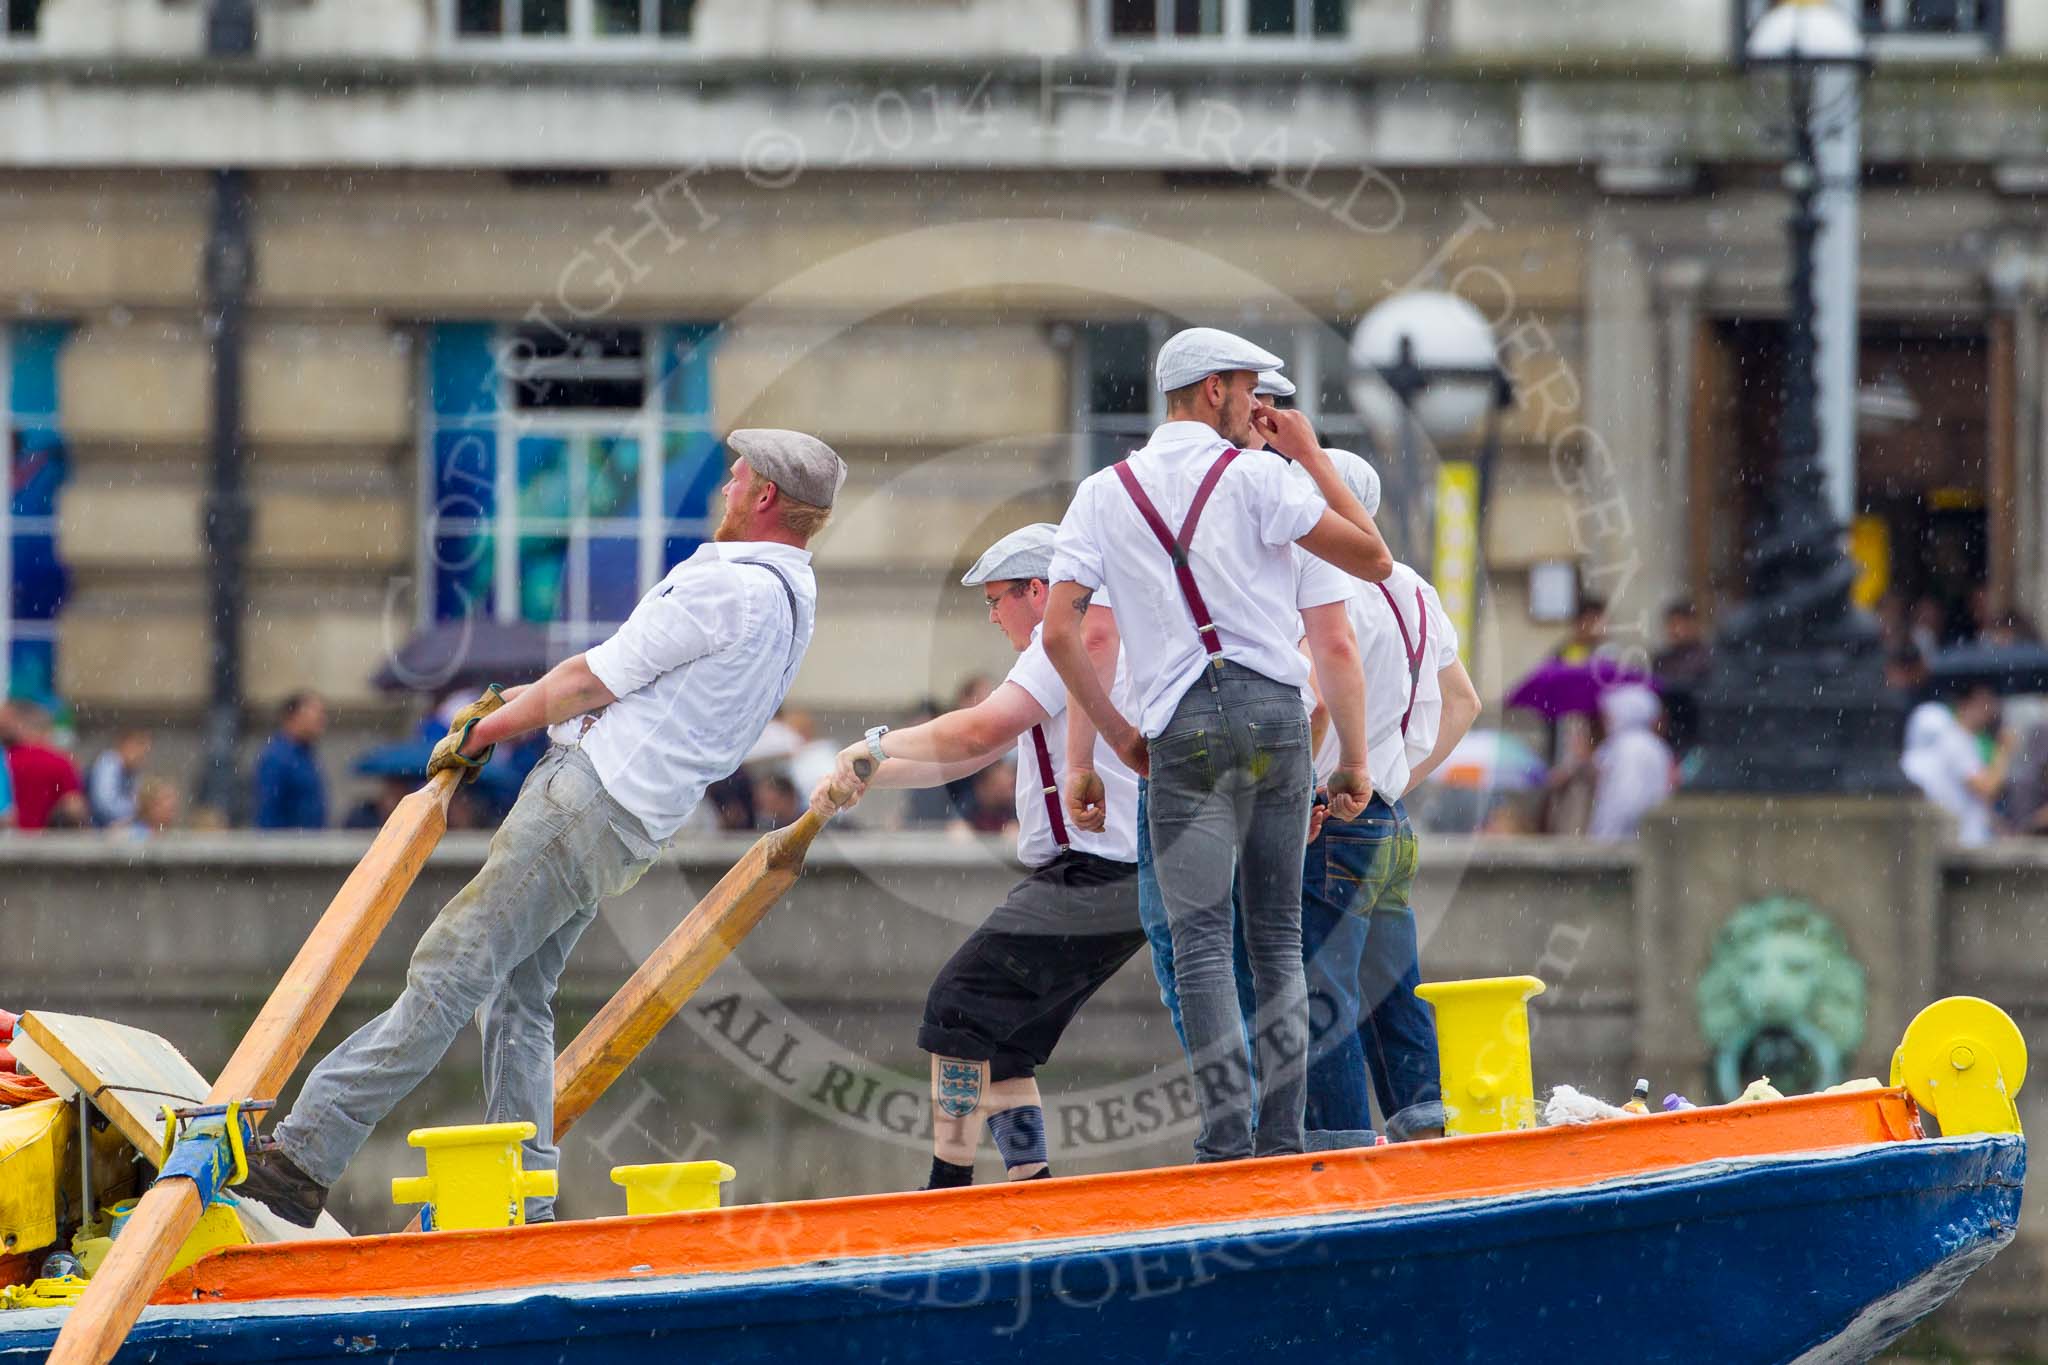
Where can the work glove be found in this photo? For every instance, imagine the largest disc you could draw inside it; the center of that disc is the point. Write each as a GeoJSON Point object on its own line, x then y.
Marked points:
{"type": "Point", "coordinates": [448, 753]}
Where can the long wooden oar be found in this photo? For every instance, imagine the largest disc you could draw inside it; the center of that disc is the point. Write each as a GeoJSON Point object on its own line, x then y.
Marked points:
{"type": "Point", "coordinates": [681, 963]}
{"type": "Point", "coordinates": [684, 960]}
{"type": "Point", "coordinates": [269, 1052]}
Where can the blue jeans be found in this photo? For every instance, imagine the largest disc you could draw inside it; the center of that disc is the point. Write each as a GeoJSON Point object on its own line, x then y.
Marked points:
{"type": "Point", "coordinates": [1228, 806]}
{"type": "Point", "coordinates": [1358, 940]}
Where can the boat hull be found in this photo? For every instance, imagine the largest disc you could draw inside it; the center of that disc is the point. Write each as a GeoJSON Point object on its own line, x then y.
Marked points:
{"type": "Point", "coordinates": [1808, 1257]}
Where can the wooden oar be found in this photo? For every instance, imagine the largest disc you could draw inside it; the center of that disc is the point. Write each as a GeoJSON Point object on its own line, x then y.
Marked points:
{"type": "Point", "coordinates": [684, 960]}
{"type": "Point", "coordinates": [269, 1052]}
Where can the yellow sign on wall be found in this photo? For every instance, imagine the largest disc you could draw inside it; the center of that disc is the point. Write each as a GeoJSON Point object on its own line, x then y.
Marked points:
{"type": "Point", "coordinates": [1870, 545]}
{"type": "Point", "coordinates": [1456, 571]}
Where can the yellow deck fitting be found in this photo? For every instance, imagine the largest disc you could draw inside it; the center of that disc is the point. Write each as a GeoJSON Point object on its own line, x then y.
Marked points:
{"type": "Point", "coordinates": [1482, 1030]}
{"type": "Point", "coordinates": [672, 1187]}
{"type": "Point", "coordinates": [57, 1293]}
{"type": "Point", "coordinates": [474, 1177]}
{"type": "Point", "coordinates": [1964, 1061]}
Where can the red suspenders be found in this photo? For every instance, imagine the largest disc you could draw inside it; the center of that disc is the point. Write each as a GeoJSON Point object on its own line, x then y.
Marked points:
{"type": "Point", "coordinates": [1051, 786]}
{"type": "Point", "coordinates": [1415, 654]}
{"type": "Point", "coordinates": [1177, 549]}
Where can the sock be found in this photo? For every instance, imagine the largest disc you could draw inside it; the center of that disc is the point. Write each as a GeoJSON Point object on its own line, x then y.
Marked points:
{"type": "Point", "coordinates": [1019, 1135]}
{"type": "Point", "coordinates": [947, 1176]}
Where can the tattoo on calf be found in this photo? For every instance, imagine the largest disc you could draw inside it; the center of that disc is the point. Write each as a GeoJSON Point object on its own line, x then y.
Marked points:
{"type": "Point", "coordinates": [959, 1087]}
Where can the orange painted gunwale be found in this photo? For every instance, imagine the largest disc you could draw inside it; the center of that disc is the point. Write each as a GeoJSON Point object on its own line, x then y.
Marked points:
{"type": "Point", "coordinates": [769, 1236]}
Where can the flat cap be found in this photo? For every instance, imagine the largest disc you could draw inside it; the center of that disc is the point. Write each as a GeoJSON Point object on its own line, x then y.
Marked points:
{"type": "Point", "coordinates": [1024, 553]}
{"type": "Point", "coordinates": [1358, 476]}
{"type": "Point", "coordinates": [1273, 384]}
{"type": "Point", "coordinates": [1200, 352]}
{"type": "Point", "coordinates": [803, 467]}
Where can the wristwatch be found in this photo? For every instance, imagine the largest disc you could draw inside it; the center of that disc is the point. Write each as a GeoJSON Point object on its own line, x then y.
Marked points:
{"type": "Point", "coordinates": [874, 739]}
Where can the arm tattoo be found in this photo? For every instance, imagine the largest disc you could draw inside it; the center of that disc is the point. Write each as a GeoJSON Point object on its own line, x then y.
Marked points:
{"type": "Point", "coordinates": [1081, 603]}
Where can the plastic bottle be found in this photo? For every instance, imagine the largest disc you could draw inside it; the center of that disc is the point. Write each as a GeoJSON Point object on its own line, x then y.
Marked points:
{"type": "Point", "coordinates": [1639, 1098]}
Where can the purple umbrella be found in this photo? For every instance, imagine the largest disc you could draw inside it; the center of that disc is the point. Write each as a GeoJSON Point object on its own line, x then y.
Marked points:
{"type": "Point", "coordinates": [1555, 688]}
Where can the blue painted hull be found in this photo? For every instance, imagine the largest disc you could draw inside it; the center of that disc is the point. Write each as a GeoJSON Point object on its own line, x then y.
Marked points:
{"type": "Point", "coordinates": [1819, 1257]}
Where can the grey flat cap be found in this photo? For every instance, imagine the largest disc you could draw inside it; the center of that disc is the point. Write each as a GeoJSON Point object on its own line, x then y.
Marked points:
{"type": "Point", "coordinates": [1273, 384]}
{"type": "Point", "coordinates": [1024, 553]}
{"type": "Point", "coordinates": [1202, 351]}
{"type": "Point", "coordinates": [803, 467]}
{"type": "Point", "coordinates": [1358, 476]}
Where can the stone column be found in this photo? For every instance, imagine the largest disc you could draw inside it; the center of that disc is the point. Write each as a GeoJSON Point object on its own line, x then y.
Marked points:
{"type": "Point", "coordinates": [1871, 866]}
{"type": "Point", "coordinates": [1624, 525]}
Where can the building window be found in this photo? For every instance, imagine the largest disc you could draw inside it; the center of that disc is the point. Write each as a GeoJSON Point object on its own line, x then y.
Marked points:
{"type": "Point", "coordinates": [580, 23]}
{"type": "Point", "coordinates": [29, 566]}
{"type": "Point", "coordinates": [1903, 29]}
{"type": "Point", "coordinates": [1117, 403]}
{"type": "Point", "coordinates": [1251, 21]}
{"type": "Point", "coordinates": [567, 471]}
{"type": "Point", "coordinates": [18, 20]}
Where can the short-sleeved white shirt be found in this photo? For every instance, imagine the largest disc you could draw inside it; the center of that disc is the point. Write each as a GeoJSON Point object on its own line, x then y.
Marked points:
{"type": "Point", "coordinates": [699, 669]}
{"type": "Point", "coordinates": [1118, 841]}
{"type": "Point", "coordinates": [1384, 658]}
{"type": "Point", "coordinates": [1242, 558]}
{"type": "Point", "coordinates": [1941, 757]}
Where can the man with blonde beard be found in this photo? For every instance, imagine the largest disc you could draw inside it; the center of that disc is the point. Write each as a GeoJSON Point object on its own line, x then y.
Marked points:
{"type": "Point", "coordinates": [641, 724]}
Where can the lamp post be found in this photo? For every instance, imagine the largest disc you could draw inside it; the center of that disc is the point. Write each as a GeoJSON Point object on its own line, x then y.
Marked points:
{"type": "Point", "coordinates": [1425, 363]}
{"type": "Point", "coordinates": [1796, 701]}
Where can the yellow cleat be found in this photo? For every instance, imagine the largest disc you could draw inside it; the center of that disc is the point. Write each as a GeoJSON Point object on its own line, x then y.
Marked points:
{"type": "Point", "coordinates": [1963, 1060]}
{"type": "Point", "coordinates": [474, 1177]}
{"type": "Point", "coordinates": [1482, 1029]}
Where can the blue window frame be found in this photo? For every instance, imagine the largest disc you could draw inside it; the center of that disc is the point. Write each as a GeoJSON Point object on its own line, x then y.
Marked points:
{"type": "Point", "coordinates": [567, 471]}
{"type": "Point", "coordinates": [29, 565]}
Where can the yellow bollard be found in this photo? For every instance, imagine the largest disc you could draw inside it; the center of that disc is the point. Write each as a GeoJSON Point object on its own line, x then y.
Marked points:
{"type": "Point", "coordinates": [474, 1178]}
{"type": "Point", "coordinates": [672, 1187]}
{"type": "Point", "coordinates": [1482, 1034]}
{"type": "Point", "coordinates": [1963, 1060]}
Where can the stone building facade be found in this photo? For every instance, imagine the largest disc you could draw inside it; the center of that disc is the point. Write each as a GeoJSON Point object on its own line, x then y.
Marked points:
{"type": "Point", "coordinates": [513, 264]}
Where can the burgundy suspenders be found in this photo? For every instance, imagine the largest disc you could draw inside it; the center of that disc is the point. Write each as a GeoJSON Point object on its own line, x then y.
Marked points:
{"type": "Point", "coordinates": [1177, 549]}
{"type": "Point", "coordinates": [1051, 786]}
{"type": "Point", "coordinates": [1414, 653]}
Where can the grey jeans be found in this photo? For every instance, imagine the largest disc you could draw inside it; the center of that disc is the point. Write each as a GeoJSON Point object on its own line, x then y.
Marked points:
{"type": "Point", "coordinates": [495, 953]}
{"type": "Point", "coordinates": [1229, 797]}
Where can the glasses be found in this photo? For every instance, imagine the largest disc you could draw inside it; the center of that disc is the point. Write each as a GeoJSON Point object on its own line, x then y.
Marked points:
{"type": "Point", "coordinates": [1014, 590]}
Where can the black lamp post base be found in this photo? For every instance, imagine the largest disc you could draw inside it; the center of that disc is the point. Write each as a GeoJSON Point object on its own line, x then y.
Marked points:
{"type": "Point", "coordinates": [1804, 721]}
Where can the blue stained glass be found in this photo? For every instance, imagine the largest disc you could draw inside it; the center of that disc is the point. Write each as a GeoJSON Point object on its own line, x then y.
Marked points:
{"type": "Point", "coordinates": [693, 467]}
{"type": "Point", "coordinates": [463, 370]}
{"type": "Point", "coordinates": [32, 670]}
{"type": "Point", "coordinates": [465, 462]}
{"type": "Point", "coordinates": [543, 578]}
{"type": "Point", "coordinates": [543, 476]}
{"type": "Point", "coordinates": [464, 569]}
{"type": "Point", "coordinates": [613, 489]}
{"type": "Point", "coordinates": [614, 566]}
{"type": "Point", "coordinates": [685, 375]}
{"type": "Point", "coordinates": [39, 579]}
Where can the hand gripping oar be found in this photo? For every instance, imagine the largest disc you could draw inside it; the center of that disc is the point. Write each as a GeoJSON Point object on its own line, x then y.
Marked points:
{"type": "Point", "coordinates": [673, 972]}
{"type": "Point", "coordinates": [273, 1047]}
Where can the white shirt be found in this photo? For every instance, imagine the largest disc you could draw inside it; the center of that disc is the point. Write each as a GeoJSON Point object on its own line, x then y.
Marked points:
{"type": "Point", "coordinates": [1941, 756]}
{"type": "Point", "coordinates": [1391, 756]}
{"type": "Point", "coordinates": [1035, 847]}
{"type": "Point", "coordinates": [699, 669]}
{"type": "Point", "coordinates": [1242, 557]}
